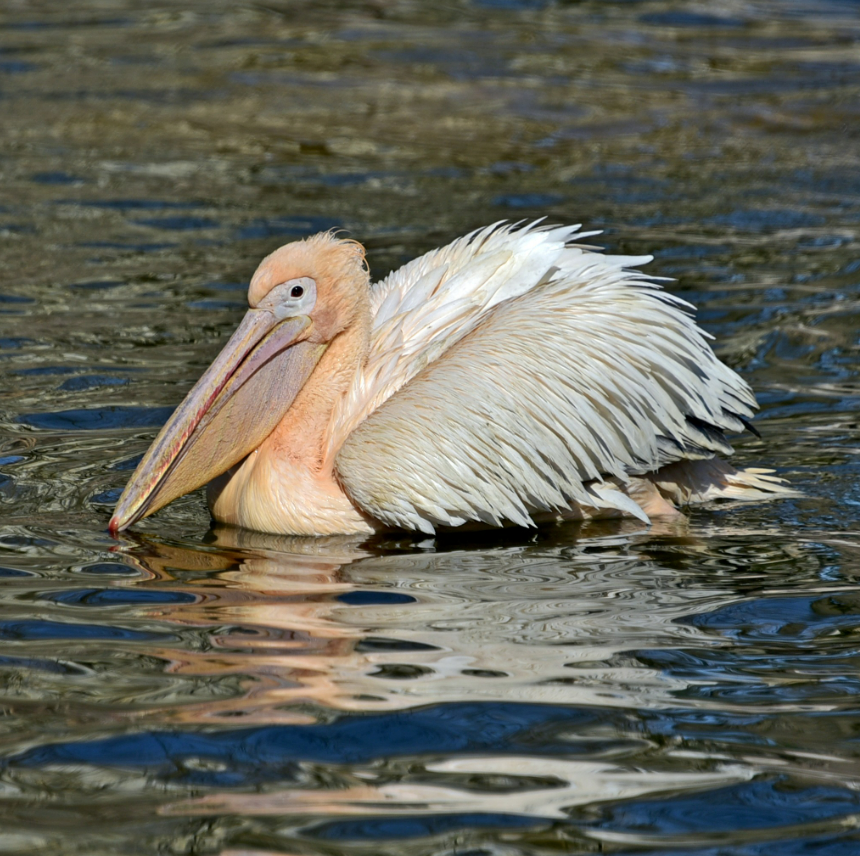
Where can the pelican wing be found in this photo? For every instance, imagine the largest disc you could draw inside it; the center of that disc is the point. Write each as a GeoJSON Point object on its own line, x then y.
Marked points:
{"type": "Point", "coordinates": [512, 374]}
{"type": "Point", "coordinates": [421, 310]}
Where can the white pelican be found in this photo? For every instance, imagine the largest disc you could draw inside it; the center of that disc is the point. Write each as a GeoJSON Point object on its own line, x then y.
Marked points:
{"type": "Point", "coordinates": [510, 377]}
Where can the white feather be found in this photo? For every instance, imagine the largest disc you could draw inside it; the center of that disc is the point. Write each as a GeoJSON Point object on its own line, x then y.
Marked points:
{"type": "Point", "coordinates": [511, 373]}
{"type": "Point", "coordinates": [512, 377]}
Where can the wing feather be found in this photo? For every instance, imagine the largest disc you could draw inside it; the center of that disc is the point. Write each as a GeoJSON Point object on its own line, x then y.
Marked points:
{"type": "Point", "coordinates": [426, 306]}
{"type": "Point", "coordinates": [512, 374]}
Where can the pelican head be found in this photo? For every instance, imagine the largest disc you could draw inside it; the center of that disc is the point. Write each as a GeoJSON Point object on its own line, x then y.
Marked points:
{"type": "Point", "coordinates": [301, 298]}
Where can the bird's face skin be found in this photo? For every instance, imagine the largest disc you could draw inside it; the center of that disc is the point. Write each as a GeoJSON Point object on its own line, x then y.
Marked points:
{"type": "Point", "coordinates": [301, 297]}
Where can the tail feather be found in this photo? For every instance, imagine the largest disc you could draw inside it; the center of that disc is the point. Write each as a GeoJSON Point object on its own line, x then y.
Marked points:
{"type": "Point", "coordinates": [689, 482]}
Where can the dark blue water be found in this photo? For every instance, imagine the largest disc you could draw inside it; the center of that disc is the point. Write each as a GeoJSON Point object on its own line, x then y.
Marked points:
{"type": "Point", "coordinates": [687, 689]}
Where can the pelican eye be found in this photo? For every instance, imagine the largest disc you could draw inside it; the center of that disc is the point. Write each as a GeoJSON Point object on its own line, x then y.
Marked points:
{"type": "Point", "coordinates": [295, 296]}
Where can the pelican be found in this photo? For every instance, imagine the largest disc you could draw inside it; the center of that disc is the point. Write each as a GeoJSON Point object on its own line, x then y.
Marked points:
{"type": "Point", "coordinates": [512, 377]}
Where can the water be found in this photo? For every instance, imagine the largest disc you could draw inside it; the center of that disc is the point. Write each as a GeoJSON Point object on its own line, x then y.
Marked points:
{"type": "Point", "coordinates": [687, 689]}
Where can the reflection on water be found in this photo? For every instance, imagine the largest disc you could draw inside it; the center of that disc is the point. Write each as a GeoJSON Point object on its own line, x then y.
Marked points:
{"type": "Point", "coordinates": [690, 689]}
{"type": "Point", "coordinates": [324, 623]}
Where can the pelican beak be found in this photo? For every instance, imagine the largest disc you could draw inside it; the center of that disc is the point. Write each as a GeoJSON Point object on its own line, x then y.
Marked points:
{"type": "Point", "coordinates": [229, 412]}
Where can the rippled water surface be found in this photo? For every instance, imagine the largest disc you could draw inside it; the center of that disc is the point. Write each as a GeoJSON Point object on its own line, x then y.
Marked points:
{"type": "Point", "coordinates": [690, 689]}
